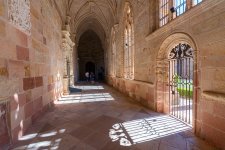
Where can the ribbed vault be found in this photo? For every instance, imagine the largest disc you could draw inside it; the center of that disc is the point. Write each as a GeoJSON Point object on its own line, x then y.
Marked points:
{"type": "Point", "coordinates": [93, 18]}
{"type": "Point", "coordinates": [96, 15]}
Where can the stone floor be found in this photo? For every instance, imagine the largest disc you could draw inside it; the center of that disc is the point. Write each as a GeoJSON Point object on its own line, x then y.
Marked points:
{"type": "Point", "coordinates": [100, 118]}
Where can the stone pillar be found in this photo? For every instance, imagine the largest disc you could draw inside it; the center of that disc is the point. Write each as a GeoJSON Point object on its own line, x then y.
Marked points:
{"type": "Point", "coordinates": [65, 75]}
{"type": "Point", "coordinates": [67, 44]}
{"type": "Point", "coordinates": [71, 68]}
{"type": "Point", "coordinates": [75, 59]}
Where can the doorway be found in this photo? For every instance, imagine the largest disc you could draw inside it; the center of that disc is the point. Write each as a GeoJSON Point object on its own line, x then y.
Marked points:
{"type": "Point", "coordinates": [90, 67]}
{"type": "Point", "coordinates": [181, 69]}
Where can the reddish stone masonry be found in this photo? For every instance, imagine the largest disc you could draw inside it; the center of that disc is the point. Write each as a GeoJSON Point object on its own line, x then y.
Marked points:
{"type": "Point", "coordinates": [22, 53]}
{"type": "Point", "coordinates": [38, 81]}
{"type": "Point", "coordinates": [28, 83]}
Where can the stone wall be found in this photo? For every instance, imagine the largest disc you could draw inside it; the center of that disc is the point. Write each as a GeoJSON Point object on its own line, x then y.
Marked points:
{"type": "Point", "coordinates": [204, 25]}
{"type": "Point", "coordinates": [31, 64]}
{"type": "Point", "coordinates": [142, 92]}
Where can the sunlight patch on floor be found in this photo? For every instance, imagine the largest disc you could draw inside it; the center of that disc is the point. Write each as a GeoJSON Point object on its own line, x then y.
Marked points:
{"type": "Point", "coordinates": [39, 140]}
{"type": "Point", "coordinates": [84, 98]}
{"type": "Point", "coordinates": [89, 87]}
{"type": "Point", "coordinates": [147, 129]}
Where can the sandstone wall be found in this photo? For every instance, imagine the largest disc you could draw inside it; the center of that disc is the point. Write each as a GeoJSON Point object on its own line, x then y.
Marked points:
{"type": "Point", "coordinates": [204, 24]}
{"type": "Point", "coordinates": [30, 65]}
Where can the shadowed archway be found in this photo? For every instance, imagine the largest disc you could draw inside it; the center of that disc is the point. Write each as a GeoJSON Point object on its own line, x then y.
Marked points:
{"type": "Point", "coordinates": [91, 55]}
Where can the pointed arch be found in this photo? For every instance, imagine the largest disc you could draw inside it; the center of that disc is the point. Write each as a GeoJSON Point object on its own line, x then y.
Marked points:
{"type": "Point", "coordinates": [128, 59]}
{"type": "Point", "coordinates": [162, 70]}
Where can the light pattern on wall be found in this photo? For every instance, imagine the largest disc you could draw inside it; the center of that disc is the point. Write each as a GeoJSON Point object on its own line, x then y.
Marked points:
{"type": "Point", "coordinates": [19, 14]}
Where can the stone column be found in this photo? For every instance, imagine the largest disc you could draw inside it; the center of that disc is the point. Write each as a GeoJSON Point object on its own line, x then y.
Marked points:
{"type": "Point", "coordinates": [71, 64]}
{"type": "Point", "coordinates": [65, 72]}
{"type": "Point", "coordinates": [75, 59]}
{"type": "Point", "coordinates": [68, 77]}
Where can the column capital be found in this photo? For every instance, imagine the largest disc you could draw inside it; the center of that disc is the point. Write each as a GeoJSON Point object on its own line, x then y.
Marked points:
{"type": "Point", "coordinates": [67, 43]}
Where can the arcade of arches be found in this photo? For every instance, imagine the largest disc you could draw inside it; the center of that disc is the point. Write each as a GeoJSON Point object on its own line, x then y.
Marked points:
{"type": "Point", "coordinates": [157, 74]}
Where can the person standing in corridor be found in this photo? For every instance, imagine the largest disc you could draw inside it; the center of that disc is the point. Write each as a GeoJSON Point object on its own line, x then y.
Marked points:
{"type": "Point", "coordinates": [87, 76]}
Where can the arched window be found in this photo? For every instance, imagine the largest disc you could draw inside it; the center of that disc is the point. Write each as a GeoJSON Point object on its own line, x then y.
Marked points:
{"type": "Point", "coordinates": [113, 52]}
{"type": "Point", "coordinates": [128, 44]}
{"type": "Point", "coordinates": [164, 12]}
{"type": "Point", "coordinates": [170, 9]}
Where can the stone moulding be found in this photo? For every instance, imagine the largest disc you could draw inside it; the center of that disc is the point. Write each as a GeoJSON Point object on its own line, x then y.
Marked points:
{"type": "Point", "coordinates": [19, 14]}
{"type": "Point", "coordinates": [220, 97]}
{"type": "Point", "coordinates": [66, 40]}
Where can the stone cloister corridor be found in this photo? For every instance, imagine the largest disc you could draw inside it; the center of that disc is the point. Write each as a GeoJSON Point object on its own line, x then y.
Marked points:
{"type": "Point", "coordinates": [84, 121]}
{"type": "Point", "coordinates": [112, 74]}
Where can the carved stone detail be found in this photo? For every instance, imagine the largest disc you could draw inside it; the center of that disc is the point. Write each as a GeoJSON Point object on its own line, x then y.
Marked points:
{"type": "Point", "coordinates": [67, 46]}
{"type": "Point", "coordinates": [19, 14]}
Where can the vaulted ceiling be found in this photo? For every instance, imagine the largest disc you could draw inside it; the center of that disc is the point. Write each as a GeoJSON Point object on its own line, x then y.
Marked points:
{"type": "Point", "coordinates": [96, 15]}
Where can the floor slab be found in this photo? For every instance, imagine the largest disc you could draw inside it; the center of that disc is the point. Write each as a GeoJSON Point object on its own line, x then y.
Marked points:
{"type": "Point", "coordinates": [101, 118]}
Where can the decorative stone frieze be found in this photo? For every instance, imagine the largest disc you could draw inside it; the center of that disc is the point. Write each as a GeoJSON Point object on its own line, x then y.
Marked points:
{"type": "Point", "coordinates": [19, 14]}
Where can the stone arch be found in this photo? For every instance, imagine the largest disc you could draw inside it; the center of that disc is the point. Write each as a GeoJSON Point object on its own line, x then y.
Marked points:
{"type": "Point", "coordinates": [171, 41]}
{"type": "Point", "coordinates": [162, 70]}
{"type": "Point", "coordinates": [91, 12]}
{"type": "Point", "coordinates": [90, 49]}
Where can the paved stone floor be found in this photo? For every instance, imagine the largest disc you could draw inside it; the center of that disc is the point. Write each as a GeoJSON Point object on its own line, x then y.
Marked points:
{"type": "Point", "coordinates": [100, 118]}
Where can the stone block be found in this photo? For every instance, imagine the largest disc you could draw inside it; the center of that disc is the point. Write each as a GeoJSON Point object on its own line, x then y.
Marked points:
{"type": "Point", "coordinates": [36, 92]}
{"type": "Point", "coordinates": [219, 109]}
{"type": "Point", "coordinates": [17, 116]}
{"type": "Point", "coordinates": [213, 135]}
{"type": "Point", "coordinates": [17, 132]}
{"type": "Point", "coordinates": [17, 101]}
{"type": "Point", "coordinates": [21, 38]}
{"type": "Point", "coordinates": [16, 69]}
{"type": "Point", "coordinates": [9, 87]}
{"type": "Point", "coordinates": [214, 121]}
{"type": "Point", "coordinates": [14, 104]}
{"type": "Point", "coordinates": [36, 116]}
{"type": "Point", "coordinates": [28, 110]}
{"type": "Point", "coordinates": [159, 107]}
{"type": "Point", "coordinates": [51, 87]}
{"type": "Point", "coordinates": [27, 70]}
{"type": "Point", "coordinates": [2, 8]}
{"type": "Point", "coordinates": [28, 83]}
{"type": "Point", "coordinates": [26, 124]}
{"type": "Point", "coordinates": [3, 72]}
{"type": "Point", "coordinates": [39, 69]}
{"type": "Point", "coordinates": [2, 28]}
{"type": "Point", "coordinates": [207, 105]}
{"type": "Point", "coordinates": [38, 81]}
{"type": "Point", "coordinates": [28, 96]}
{"type": "Point", "coordinates": [46, 99]}
{"type": "Point", "coordinates": [17, 36]}
{"type": "Point", "coordinates": [3, 68]}
{"type": "Point", "coordinates": [37, 45]}
{"type": "Point", "coordinates": [44, 40]}
{"type": "Point", "coordinates": [208, 25]}
{"type": "Point", "coordinates": [22, 53]}
{"type": "Point", "coordinates": [37, 104]}
{"type": "Point", "coordinates": [218, 86]}
{"type": "Point", "coordinates": [34, 10]}
{"type": "Point", "coordinates": [150, 95]}
{"type": "Point", "coordinates": [22, 99]}
{"type": "Point", "coordinates": [220, 75]}
{"type": "Point", "coordinates": [7, 49]}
